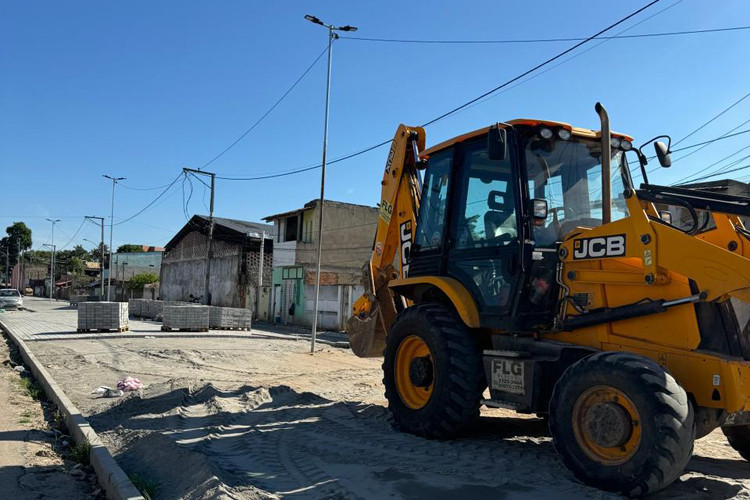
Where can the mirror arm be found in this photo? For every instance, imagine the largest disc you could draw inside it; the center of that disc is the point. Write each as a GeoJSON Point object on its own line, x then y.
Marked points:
{"type": "Point", "coordinates": [643, 162]}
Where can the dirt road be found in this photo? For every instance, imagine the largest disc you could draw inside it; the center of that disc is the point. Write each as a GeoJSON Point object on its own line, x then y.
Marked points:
{"type": "Point", "coordinates": [29, 466]}
{"type": "Point", "coordinates": [262, 418]}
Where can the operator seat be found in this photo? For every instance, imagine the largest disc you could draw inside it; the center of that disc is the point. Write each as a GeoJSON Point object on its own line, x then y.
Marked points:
{"type": "Point", "coordinates": [500, 219]}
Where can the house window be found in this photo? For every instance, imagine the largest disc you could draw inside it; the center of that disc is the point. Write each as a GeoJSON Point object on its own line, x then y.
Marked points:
{"type": "Point", "coordinates": [290, 229]}
{"type": "Point", "coordinates": [291, 273]}
{"type": "Point", "coordinates": [307, 235]}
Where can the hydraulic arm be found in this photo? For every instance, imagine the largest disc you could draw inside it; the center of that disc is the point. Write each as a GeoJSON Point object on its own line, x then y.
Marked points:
{"type": "Point", "coordinates": [399, 206]}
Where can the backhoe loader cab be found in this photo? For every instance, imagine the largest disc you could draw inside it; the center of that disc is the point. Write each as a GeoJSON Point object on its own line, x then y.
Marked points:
{"type": "Point", "coordinates": [524, 261]}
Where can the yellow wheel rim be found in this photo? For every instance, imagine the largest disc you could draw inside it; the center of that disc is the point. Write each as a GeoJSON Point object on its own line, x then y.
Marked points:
{"type": "Point", "coordinates": [606, 425]}
{"type": "Point", "coordinates": [410, 349]}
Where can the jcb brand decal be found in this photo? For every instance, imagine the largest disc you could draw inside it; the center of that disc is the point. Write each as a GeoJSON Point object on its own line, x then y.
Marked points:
{"type": "Point", "coordinates": [391, 155]}
{"type": "Point", "coordinates": [405, 246]}
{"type": "Point", "coordinates": [596, 248]}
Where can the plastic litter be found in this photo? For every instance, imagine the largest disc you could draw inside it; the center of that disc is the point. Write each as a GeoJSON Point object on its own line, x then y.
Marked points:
{"type": "Point", "coordinates": [113, 393]}
{"type": "Point", "coordinates": [129, 384]}
{"type": "Point", "coordinates": [19, 369]}
{"type": "Point", "coordinates": [101, 389]}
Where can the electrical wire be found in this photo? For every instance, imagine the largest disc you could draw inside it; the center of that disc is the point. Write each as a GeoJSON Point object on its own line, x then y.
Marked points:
{"type": "Point", "coordinates": [452, 111]}
{"type": "Point", "coordinates": [169, 186]}
{"type": "Point", "coordinates": [74, 236]}
{"type": "Point", "coordinates": [735, 103]}
{"type": "Point", "coordinates": [545, 40]}
{"type": "Point", "coordinates": [268, 112]}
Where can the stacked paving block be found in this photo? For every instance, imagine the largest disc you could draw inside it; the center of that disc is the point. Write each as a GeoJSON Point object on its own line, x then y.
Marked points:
{"type": "Point", "coordinates": [230, 318]}
{"type": "Point", "coordinates": [76, 299]}
{"type": "Point", "coordinates": [135, 307]}
{"type": "Point", "coordinates": [184, 317]}
{"type": "Point", "coordinates": [102, 316]}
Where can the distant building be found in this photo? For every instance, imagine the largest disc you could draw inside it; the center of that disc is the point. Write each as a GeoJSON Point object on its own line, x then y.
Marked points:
{"type": "Point", "coordinates": [681, 217]}
{"type": "Point", "coordinates": [235, 265]}
{"type": "Point", "coordinates": [125, 265]}
{"type": "Point", "coordinates": [348, 232]}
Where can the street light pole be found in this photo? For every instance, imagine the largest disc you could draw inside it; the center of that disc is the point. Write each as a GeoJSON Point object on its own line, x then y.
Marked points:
{"type": "Point", "coordinates": [52, 259]}
{"type": "Point", "coordinates": [111, 230]}
{"type": "Point", "coordinates": [331, 37]}
{"type": "Point", "coordinates": [101, 253]}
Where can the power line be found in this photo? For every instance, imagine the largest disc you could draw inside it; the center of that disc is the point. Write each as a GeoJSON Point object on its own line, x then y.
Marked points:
{"type": "Point", "coordinates": [74, 236]}
{"type": "Point", "coordinates": [454, 110]}
{"type": "Point", "coordinates": [715, 117]}
{"type": "Point", "coordinates": [719, 173]}
{"type": "Point", "coordinates": [545, 40]}
{"type": "Point", "coordinates": [142, 189]}
{"type": "Point", "coordinates": [152, 202]}
{"type": "Point", "coordinates": [268, 112]}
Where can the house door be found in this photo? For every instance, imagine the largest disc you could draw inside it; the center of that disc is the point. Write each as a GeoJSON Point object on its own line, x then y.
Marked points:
{"type": "Point", "coordinates": [277, 304]}
{"type": "Point", "coordinates": [263, 300]}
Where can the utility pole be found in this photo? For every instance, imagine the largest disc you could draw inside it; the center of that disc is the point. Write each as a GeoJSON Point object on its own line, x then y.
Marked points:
{"type": "Point", "coordinates": [101, 252]}
{"type": "Point", "coordinates": [261, 266]}
{"type": "Point", "coordinates": [209, 243]}
{"type": "Point", "coordinates": [331, 37]}
{"type": "Point", "coordinates": [114, 180]}
{"type": "Point", "coordinates": [52, 259]}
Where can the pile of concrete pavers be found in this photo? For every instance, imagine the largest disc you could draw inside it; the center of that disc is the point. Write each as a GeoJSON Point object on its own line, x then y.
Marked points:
{"type": "Point", "coordinates": [185, 317]}
{"type": "Point", "coordinates": [230, 318]}
{"type": "Point", "coordinates": [102, 316]}
{"type": "Point", "coordinates": [151, 309]}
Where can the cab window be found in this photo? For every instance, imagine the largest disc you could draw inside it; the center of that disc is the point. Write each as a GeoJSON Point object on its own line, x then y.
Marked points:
{"type": "Point", "coordinates": [486, 208]}
{"type": "Point", "coordinates": [434, 201]}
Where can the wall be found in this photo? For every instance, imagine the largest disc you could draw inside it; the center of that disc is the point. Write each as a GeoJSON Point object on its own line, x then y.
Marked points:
{"type": "Point", "coordinates": [183, 272]}
{"type": "Point", "coordinates": [348, 233]}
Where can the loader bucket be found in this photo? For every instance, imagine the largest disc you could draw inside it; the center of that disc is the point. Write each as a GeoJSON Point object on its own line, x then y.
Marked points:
{"type": "Point", "coordinates": [366, 336]}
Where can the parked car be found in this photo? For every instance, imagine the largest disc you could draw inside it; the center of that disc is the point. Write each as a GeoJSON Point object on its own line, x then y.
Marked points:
{"type": "Point", "coordinates": [10, 299]}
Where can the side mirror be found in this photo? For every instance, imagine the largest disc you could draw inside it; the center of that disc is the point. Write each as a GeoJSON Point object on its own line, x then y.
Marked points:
{"type": "Point", "coordinates": [538, 210]}
{"type": "Point", "coordinates": [663, 153]}
{"type": "Point", "coordinates": [497, 140]}
{"type": "Point", "coordinates": [666, 216]}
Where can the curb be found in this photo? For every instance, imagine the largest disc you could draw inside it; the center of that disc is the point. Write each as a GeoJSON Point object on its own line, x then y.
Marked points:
{"type": "Point", "coordinates": [111, 477]}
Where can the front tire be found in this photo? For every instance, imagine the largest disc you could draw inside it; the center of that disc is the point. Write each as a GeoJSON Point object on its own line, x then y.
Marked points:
{"type": "Point", "coordinates": [432, 372]}
{"type": "Point", "coordinates": [739, 439]}
{"type": "Point", "coordinates": [621, 423]}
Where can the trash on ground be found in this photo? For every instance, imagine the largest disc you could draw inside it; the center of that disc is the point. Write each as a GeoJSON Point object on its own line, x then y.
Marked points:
{"type": "Point", "coordinates": [129, 384]}
{"type": "Point", "coordinates": [19, 369]}
{"type": "Point", "coordinates": [101, 389]}
{"type": "Point", "coordinates": [113, 393]}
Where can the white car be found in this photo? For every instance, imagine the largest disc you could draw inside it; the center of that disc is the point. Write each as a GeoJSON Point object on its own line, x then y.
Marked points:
{"type": "Point", "coordinates": [10, 299]}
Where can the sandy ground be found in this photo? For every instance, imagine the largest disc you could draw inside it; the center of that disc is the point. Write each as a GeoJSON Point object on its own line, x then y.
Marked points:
{"type": "Point", "coordinates": [262, 418]}
{"type": "Point", "coordinates": [30, 466]}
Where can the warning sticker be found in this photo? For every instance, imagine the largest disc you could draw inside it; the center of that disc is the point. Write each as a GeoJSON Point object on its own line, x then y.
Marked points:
{"type": "Point", "coordinates": [507, 376]}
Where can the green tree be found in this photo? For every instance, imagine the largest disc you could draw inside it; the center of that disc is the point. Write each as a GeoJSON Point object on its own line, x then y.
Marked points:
{"type": "Point", "coordinates": [129, 248]}
{"type": "Point", "coordinates": [139, 280]}
{"type": "Point", "coordinates": [18, 239]}
{"type": "Point", "coordinates": [96, 255]}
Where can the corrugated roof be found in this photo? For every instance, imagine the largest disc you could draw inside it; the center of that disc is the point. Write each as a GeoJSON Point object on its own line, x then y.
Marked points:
{"type": "Point", "coordinates": [233, 230]}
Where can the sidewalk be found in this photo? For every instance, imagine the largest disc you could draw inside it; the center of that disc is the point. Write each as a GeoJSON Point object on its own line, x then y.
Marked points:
{"type": "Point", "coordinates": [29, 467]}
{"type": "Point", "coordinates": [57, 320]}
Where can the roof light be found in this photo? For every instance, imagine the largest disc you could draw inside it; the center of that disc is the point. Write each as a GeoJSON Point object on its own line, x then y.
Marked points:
{"type": "Point", "coordinates": [546, 133]}
{"type": "Point", "coordinates": [626, 145]}
{"type": "Point", "coordinates": [614, 142]}
{"type": "Point", "coordinates": [564, 134]}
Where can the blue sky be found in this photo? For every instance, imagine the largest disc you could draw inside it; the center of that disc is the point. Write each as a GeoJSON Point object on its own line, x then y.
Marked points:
{"type": "Point", "coordinates": [140, 89]}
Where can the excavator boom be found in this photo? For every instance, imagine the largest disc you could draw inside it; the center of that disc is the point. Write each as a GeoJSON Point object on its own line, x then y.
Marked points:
{"type": "Point", "coordinates": [397, 218]}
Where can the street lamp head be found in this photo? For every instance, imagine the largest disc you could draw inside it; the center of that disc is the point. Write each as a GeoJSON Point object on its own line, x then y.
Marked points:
{"type": "Point", "coordinates": [348, 28]}
{"type": "Point", "coordinates": [314, 19]}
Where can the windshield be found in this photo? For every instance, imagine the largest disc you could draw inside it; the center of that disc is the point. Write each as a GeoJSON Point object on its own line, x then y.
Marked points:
{"type": "Point", "coordinates": [568, 174]}
{"type": "Point", "coordinates": [9, 293]}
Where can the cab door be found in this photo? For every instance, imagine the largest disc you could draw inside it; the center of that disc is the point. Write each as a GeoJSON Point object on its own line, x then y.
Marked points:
{"type": "Point", "coordinates": [484, 246]}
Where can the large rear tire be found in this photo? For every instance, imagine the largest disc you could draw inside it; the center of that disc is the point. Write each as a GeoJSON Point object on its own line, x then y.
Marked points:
{"type": "Point", "coordinates": [739, 439]}
{"type": "Point", "coordinates": [622, 423]}
{"type": "Point", "coordinates": [432, 372]}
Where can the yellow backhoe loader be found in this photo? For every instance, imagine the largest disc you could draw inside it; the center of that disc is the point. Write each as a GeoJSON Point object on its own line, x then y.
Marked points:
{"type": "Point", "coordinates": [521, 258]}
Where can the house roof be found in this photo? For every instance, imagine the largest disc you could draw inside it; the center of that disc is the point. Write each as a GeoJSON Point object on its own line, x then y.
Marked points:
{"type": "Point", "coordinates": [232, 230]}
{"type": "Point", "coordinates": [312, 204]}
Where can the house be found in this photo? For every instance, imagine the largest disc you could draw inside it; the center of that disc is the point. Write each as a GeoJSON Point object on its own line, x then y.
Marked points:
{"type": "Point", "coordinates": [125, 265]}
{"type": "Point", "coordinates": [235, 264]}
{"type": "Point", "coordinates": [28, 275]}
{"type": "Point", "coordinates": [681, 217]}
{"type": "Point", "coordinates": [348, 232]}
